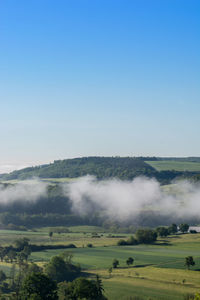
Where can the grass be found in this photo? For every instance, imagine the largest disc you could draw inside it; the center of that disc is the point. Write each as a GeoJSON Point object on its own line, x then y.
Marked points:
{"type": "Point", "coordinates": [158, 271]}
{"type": "Point", "coordinates": [101, 257]}
{"type": "Point", "coordinates": [79, 235]}
{"type": "Point", "coordinates": [150, 283]}
{"type": "Point", "coordinates": [164, 165]}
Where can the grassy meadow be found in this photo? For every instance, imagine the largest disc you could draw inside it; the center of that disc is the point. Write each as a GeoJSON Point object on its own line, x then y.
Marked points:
{"type": "Point", "coordinates": [158, 271]}
{"type": "Point", "coordinates": [164, 165]}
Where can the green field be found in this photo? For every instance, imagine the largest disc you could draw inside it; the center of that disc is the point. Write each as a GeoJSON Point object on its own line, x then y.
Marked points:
{"type": "Point", "coordinates": [164, 165]}
{"type": "Point", "coordinates": [158, 271]}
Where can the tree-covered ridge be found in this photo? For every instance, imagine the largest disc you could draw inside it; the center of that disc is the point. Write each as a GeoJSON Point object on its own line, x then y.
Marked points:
{"type": "Point", "coordinates": [101, 167]}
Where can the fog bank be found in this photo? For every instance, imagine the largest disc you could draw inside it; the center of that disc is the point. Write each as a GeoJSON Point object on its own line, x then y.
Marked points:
{"type": "Point", "coordinates": [123, 200]}
{"type": "Point", "coordinates": [24, 191]}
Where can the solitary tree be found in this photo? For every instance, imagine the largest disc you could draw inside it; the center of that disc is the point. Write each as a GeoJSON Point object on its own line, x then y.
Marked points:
{"type": "Point", "coordinates": [129, 261]}
{"type": "Point", "coordinates": [189, 261]}
{"type": "Point", "coordinates": [115, 263]}
{"type": "Point", "coordinates": [183, 227]}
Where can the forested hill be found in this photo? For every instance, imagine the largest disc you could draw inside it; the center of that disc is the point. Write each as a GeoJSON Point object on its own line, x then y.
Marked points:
{"type": "Point", "coordinates": [101, 167]}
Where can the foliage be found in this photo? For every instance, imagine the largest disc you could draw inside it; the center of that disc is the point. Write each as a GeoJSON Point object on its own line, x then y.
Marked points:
{"type": "Point", "coordinates": [162, 231]}
{"type": "Point", "coordinates": [2, 276]}
{"type": "Point", "coordinates": [102, 167]}
{"type": "Point", "coordinates": [189, 261]}
{"type": "Point", "coordinates": [130, 241]}
{"type": "Point", "coordinates": [59, 269]}
{"type": "Point", "coordinates": [129, 261]}
{"type": "Point", "coordinates": [38, 286]}
{"type": "Point", "coordinates": [21, 243]}
{"type": "Point", "coordinates": [115, 263]}
{"type": "Point", "coordinates": [172, 229]}
{"type": "Point", "coordinates": [81, 288]}
{"type": "Point", "coordinates": [183, 227]}
{"type": "Point", "coordinates": [146, 236]}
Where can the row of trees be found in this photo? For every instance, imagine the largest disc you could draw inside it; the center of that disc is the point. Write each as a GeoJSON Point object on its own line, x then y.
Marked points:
{"type": "Point", "coordinates": [148, 236]}
{"type": "Point", "coordinates": [173, 229]}
{"type": "Point", "coordinates": [19, 253]}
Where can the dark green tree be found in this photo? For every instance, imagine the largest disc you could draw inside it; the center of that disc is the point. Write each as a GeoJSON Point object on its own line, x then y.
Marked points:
{"type": "Point", "coordinates": [38, 286]}
{"type": "Point", "coordinates": [3, 253]}
{"type": "Point", "coordinates": [11, 255]}
{"type": "Point", "coordinates": [146, 236]}
{"type": "Point", "coordinates": [172, 229]}
{"type": "Point", "coordinates": [59, 270]}
{"type": "Point", "coordinates": [21, 243]}
{"type": "Point", "coordinates": [184, 227]}
{"type": "Point", "coordinates": [115, 263]}
{"type": "Point", "coordinates": [162, 231]}
{"type": "Point", "coordinates": [50, 234]}
{"type": "Point", "coordinates": [129, 261]}
{"type": "Point", "coordinates": [2, 276]}
{"type": "Point", "coordinates": [81, 288]}
{"type": "Point", "coordinates": [189, 261]}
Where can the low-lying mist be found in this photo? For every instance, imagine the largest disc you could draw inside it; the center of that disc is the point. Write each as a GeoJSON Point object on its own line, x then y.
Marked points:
{"type": "Point", "coordinates": [28, 191]}
{"type": "Point", "coordinates": [122, 200]}
{"type": "Point", "coordinates": [142, 200]}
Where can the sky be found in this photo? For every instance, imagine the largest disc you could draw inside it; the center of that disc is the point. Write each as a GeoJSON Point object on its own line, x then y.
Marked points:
{"type": "Point", "coordinates": [98, 77]}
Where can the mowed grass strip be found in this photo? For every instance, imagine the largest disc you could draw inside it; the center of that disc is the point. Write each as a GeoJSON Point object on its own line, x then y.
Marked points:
{"type": "Point", "coordinates": [164, 165]}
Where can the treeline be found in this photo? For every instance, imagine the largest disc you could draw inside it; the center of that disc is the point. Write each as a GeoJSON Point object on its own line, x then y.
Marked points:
{"type": "Point", "coordinates": [23, 221]}
{"type": "Point", "coordinates": [148, 236]}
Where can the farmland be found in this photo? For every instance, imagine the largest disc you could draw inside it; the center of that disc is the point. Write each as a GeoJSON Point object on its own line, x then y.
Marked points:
{"type": "Point", "coordinates": [158, 271]}
{"type": "Point", "coordinates": [164, 165]}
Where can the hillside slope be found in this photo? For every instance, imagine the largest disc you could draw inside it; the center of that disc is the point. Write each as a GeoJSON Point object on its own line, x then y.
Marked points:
{"type": "Point", "coordinates": [101, 167]}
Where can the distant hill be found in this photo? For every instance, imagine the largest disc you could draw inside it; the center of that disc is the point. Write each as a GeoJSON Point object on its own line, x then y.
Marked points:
{"type": "Point", "coordinates": [110, 167]}
{"type": "Point", "coordinates": [101, 167]}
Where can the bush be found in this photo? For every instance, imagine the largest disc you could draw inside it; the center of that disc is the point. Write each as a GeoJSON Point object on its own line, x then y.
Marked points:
{"type": "Point", "coordinates": [129, 242]}
{"type": "Point", "coordinates": [122, 243]}
{"type": "Point", "coordinates": [193, 231]}
{"type": "Point", "coordinates": [146, 236]}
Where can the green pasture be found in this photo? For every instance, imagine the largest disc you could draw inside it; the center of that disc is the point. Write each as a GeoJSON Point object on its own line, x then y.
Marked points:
{"type": "Point", "coordinates": [149, 283]}
{"type": "Point", "coordinates": [164, 165]}
{"type": "Point", "coordinates": [158, 271]}
{"type": "Point", "coordinates": [59, 180]}
{"type": "Point", "coordinates": [79, 236]}
{"type": "Point", "coordinates": [144, 255]}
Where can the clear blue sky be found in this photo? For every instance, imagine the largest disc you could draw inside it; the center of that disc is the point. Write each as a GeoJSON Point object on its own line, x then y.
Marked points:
{"type": "Point", "coordinates": [98, 77]}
